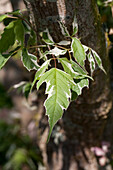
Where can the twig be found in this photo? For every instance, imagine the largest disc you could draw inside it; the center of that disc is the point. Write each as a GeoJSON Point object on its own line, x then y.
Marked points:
{"type": "Point", "coordinates": [53, 56]}
{"type": "Point", "coordinates": [38, 46]}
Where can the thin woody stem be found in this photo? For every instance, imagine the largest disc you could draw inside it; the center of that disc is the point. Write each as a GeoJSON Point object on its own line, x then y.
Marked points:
{"type": "Point", "coordinates": [61, 47]}
{"type": "Point", "coordinates": [38, 46]}
{"type": "Point", "coordinates": [12, 17]}
{"type": "Point", "coordinates": [15, 51]}
{"type": "Point", "coordinates": [53, 56]}
{"type": "Point", "coordinates": [9, 16]}
{"type": "Point", "coordinates": [69, 54]}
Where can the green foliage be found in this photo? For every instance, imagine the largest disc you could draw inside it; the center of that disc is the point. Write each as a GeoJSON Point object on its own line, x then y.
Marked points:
{"type": "Point", "coordinates": [78, 51]}
{"type": "Point", "coordinates": [64, 43]}
{"type": "Point", "coordinates": [75, 26]}
{"type": "Point", "coordinates": [105, 9]}
{"type": "Point", "coordinates": [29, 60]}
{"type": "Point", "coordinates": [80, 84]}
{"type": "Point", "coordinates": [32, 38]}
{"type": "Point", "coordinates": [92, 57]}
{"type": "Point", "coordinates": [7, 38]}
{"type": "Point", "coordinates": [73, 68]}
{"type": "Point", "coordinates": [40, 72]}
{"type": "Point", "coordinates": [15, 13]}
{"type": "Point", "coordinates": [78, 69]}
{"type": "Point", "coordinates": [98, 60]}
{"type": "Point", "coordinates": [58, 89]}
{"type": "Point", "coordinates": [68, 67]}
{"type": "Point", "coordinates": [92, 62]}
{"type": "Point", "coordinates": [56, 51]}
{"type": "Point", "coordinates": [62, 86]}
{"type": "Point", "coordinates": [64, 29]}
{"type": "Point", "coordinates": [2, 17]}
{"type": "Point", "coordinates": [19, 32]}
{"type": "Point", "coordinates": [47, 38]}
{"type": "Point", "coordinates": [3, 59]}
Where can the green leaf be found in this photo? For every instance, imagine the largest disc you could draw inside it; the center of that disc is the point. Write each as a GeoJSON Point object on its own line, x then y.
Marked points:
{"type": "Point", "coordinates": [78, 51]}
{"type": "Point", "coordinates": [74, 95]}
{"type": "Point", "coordinates": [57, 52]}
{"type": "Point", "coordinates": [75, 31]}
{"type": "Point", "coordinates": [3, 59]}
{"type": "Point", "coordinates": [7, 37]}
{"type": "Point", "coordinates": [64, 29]}
{"type": "Point", "coordinates": [43, 55]}
{"type": "Point", "coordinates": [98, 60]}
{"type": "Point", "coordinates": [58, 90]}
{"type": "Point", "coordinates": [16, 12]}
{"type": "Point", "coordinates": [7, 20]}
{"type": "Point", "coordinates": [92, 57]}
{"type": "Point", "coordinates": [32, 38]}
{"type": "Point", "coordinates": [68, 67]}
{"type": "Point", "coordinates": [78, 69]}
{"type": "Point", "coordinates": [75, 26]}
{"type": "Point", "coordinates": [73, 69]}
{"type": "Point", "coordinates": [2, 17]}
{"type": "Point", "coordinates": [19, 32]}
{"type": "Point", "coordinates": [86, 48]}
{"type": "Point", "coordinates": [29, 60]}
{"type": "Point", "coordinates": [80, 84]}
{"type": "Point", "coordinates": [91, 62]}
{"type": "Point", "coordinates": [26, 27]}
{"type": "Point", "coordinates": [40, 72]}
{"type": "Point", "coordinates": [64, 42]}
{"type": "Point", "coordinates": [47, 37]}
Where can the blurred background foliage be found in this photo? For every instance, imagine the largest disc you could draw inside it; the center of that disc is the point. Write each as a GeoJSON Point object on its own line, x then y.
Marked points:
{"type": "Point", "coordinates": [17, 150]}
{"type": "Point", "coordinates": [105, 9]}
{"type": "Point", "coordinates": [106, 12]}
{"type": "Point", "coordinates": [5, 99]}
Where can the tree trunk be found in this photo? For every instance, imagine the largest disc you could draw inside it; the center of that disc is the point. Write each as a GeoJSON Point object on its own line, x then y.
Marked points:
{"type": "Point", "coordinates": [83, 123]}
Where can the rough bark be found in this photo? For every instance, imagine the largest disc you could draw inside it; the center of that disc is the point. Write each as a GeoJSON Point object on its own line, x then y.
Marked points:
{"type": "Point", "coordinates": [83, 123]}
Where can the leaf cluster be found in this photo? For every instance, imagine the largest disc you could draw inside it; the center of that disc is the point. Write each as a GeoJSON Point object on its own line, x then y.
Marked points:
{"type": "Point", "coordinates": [62, 85]}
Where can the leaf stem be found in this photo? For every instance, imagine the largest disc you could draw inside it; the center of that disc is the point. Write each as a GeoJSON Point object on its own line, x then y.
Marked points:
{"type": "Point", "coordinates": [12, 17]}
{"type": "Point", "coordinates": [53, 56]}
{"type": "Point", "coordinates": [61, 47]}
{"type": "Point", "coordinates": [15, 51]}
{"type": "Point", "coordinates": [28, 23]}
{"type": "Point", "coordinates": [38, 46]}
{"type": "Point", "coordinates": [69, 54]}
{"type": "Point", "coordinates": [23, 20]}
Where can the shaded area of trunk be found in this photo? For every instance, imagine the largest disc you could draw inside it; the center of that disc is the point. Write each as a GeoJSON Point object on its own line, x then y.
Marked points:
{"type": "Point", "coordinates": [84, 122]}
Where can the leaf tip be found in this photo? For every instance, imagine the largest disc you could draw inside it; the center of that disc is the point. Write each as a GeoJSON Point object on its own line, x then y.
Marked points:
{"type": "Point", "coordinates": [104, 71]}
